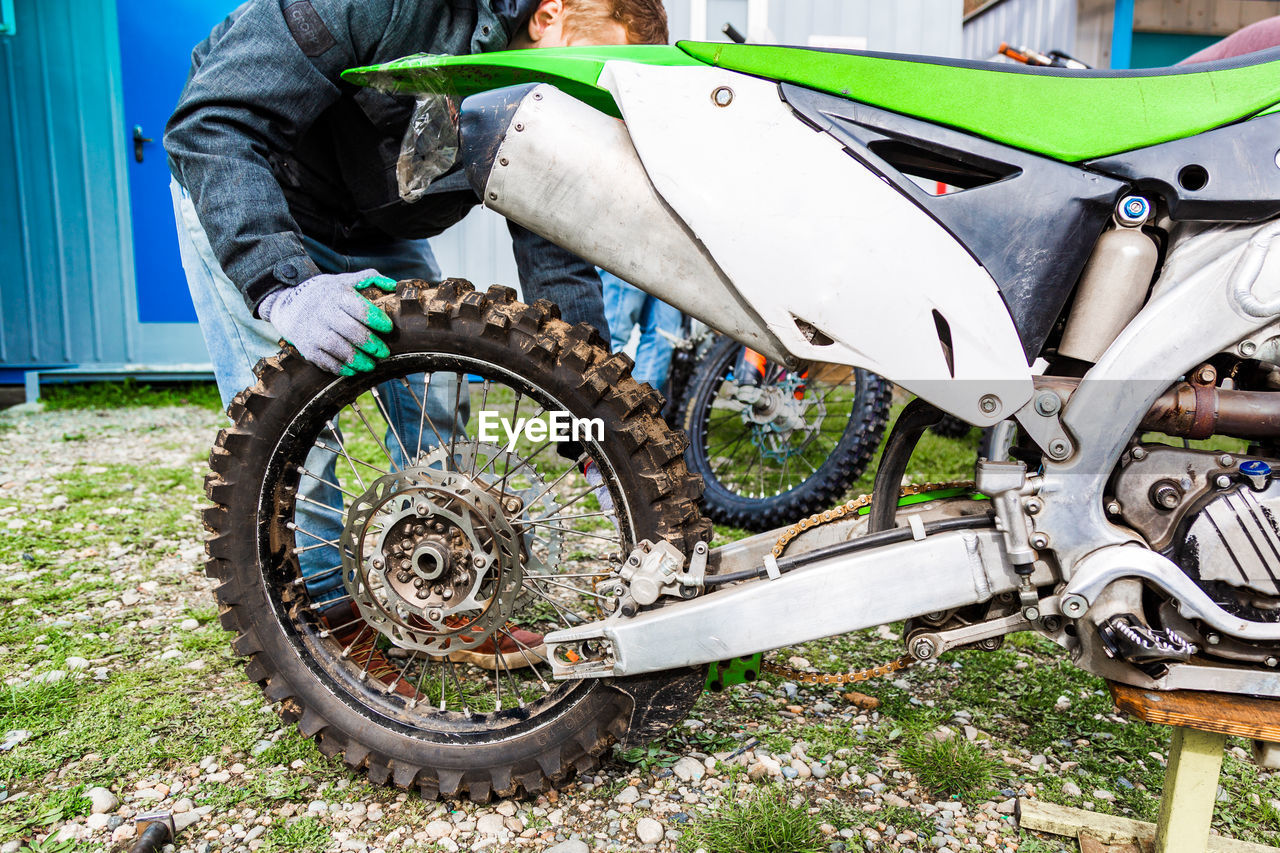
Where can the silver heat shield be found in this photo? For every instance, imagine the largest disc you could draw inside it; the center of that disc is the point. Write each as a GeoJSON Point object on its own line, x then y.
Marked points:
{"type": "Point", "coordinates": [570, 173]}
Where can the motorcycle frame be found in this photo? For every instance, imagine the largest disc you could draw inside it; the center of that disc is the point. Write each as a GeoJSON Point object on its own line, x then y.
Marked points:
{"type": "Point", "coordinates": [672, 170]}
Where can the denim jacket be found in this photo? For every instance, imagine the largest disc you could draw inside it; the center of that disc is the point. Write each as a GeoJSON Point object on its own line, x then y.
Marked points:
{"type": "Point", "coordinates": [271, 143]}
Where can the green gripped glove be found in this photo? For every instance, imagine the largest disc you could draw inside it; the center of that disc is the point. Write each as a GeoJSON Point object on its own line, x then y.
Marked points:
{"type": "Point", "coordinates": [328, 320]}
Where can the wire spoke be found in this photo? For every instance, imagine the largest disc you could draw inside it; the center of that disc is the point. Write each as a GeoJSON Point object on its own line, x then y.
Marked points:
{"type": "Point", "coordinates": [355, 406]}
{"type": "Point", "coordinates": [320, 479]}
{"type": "Point", "coordinates": [382, 409]}
{"type": "Point", "coordinates": [484, 403]}
{"type": "Point", "coordinates": [333, 428]}
{"type": "Point", "coordinates": [571, 588]}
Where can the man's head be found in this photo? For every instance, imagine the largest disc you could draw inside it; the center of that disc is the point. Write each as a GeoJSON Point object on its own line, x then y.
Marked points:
{"type": "Point", "coordinates": [570, 23]}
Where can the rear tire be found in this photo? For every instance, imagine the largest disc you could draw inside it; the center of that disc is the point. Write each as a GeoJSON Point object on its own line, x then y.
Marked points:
{"type": "Point", "coordinates": [253, 480]}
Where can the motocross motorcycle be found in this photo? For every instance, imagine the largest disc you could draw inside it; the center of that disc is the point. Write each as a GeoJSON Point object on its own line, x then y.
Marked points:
{"type": "Point", "coordinates": [512, 614]}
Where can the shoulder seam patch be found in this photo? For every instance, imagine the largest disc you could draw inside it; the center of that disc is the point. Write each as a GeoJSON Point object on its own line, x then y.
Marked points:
{"type": "Point", "coordinates": [307, 28]}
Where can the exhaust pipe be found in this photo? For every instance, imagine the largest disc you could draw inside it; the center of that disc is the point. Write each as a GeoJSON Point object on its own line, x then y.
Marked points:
{"type": "Point", "coordinates": [570, 173]}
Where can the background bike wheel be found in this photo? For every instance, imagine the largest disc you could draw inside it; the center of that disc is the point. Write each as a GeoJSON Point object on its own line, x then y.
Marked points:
{"type": "Point", "coordinates": [441, 727]}
{"type": "Point", "coordinates": [792, 452]}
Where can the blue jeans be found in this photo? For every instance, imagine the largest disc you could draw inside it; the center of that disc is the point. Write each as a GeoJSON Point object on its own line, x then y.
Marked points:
{"type": "Point", "coordinates": [627, 306]}
{"type": "Point", "coordinates": [236, 341]}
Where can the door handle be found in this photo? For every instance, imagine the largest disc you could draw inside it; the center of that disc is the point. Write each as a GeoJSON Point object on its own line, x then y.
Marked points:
{"type": "Point", "coordinates": [138, 141]}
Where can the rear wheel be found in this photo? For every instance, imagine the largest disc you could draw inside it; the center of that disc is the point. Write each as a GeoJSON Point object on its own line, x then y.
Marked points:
{"type": "Point", "coordinates": [447, 540]}
{"type": "Point", "coordinates": [776, 446]}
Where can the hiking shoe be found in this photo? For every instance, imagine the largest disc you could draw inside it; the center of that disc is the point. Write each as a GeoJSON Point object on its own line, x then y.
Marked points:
{"type": "Point", "coordinates": [360, 642]}
{"type": "Point", "coordinates": [516, 648]}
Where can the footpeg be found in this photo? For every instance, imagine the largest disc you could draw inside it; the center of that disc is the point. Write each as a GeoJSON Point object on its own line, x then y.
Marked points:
{"type": "Point", "coordinates": [1126, 637]}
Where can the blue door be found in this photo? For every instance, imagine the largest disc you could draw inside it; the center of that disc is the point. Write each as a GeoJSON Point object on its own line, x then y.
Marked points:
{"type": "Point", "coordinates": [155, 49]}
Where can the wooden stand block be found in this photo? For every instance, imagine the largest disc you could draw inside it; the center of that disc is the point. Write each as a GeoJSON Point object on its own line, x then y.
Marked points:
{"type": "Point", "coordinates": [1201, 724]}
{"type": "Point", "coordinates": [1190, 791]}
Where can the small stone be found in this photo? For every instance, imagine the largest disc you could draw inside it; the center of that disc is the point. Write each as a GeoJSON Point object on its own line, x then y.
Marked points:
{"type": "Point", "coordinates": [124, 832]}
{"type": "Point", "coordinates": [789, 772]}
{"type": "Point", "coordinates": [51, 677]}
{"type": "Point", "coordinates": [571, 846]}
{"type": "Point", "coordinates": [58, 502]}
{"type": "Point", "coordinates": [189, 625]}
{"type": "Point", "coordinates": [649, 831]}
{"type": "Point", "coordinates": [628, 795]}
{"type": "Point", "coordinates": [221, 777]}
{"type": "Point", "coordinates": [818, 770]}
{"type": "Point", "coordinates": [101, 800]}
{"type": "Point", "coordinates": [1105, 796]}
{"type": "Point", "coordinates": [1007, 807]}
{"type": "Point", "coordinates": [76, 664]}
{"type": "Point", "coordinates": [892, 799]}
{"type": "Point", "coordinates": [506, 808]}
{"type": "Point", "coordinates": [14, 737]}
{"type": "Point", "coordinates": [490, 824]}
{"type": "Point", "coordinates": [130, 598]}
{"type": "Point", "coordinates": [689, 769]}
{"type": "Point", "coordinates": [195, 665]}
{"type": "Point", "coordinates": [1071, 789]}
{"type": "Point", "coordinates": [439, 828]}
{"type": "Point", "coordinates": [802, 769]}
{"type": "Point", "coordinates": [185, 819]}
{"type": "Point", "coordinates": [96, 821]}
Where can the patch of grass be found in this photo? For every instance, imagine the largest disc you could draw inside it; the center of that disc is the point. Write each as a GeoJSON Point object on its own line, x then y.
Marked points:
{"type": "Point", "coordinates": [130, 394]}
{"type": "Point", "coordinates": [902, 818]}
{"type": "Point", "coordinates": [34, 814]}
{"type": "Point", "coordinates": [290, 748]}
{"type": "Point", "coordinates": [952, 767]}
{"type": "Point", "coordinates": [303, 834]}
{"type": "Point", "coordinates": [648, 757]}
{"type": "Point", "coordinates": [763, 823]}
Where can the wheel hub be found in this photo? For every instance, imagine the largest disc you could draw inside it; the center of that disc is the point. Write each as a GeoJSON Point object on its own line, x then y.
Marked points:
{"type": "Point", "coordinates": [776, 413]}
{"type": "Point", "coordinates": [431, 560]}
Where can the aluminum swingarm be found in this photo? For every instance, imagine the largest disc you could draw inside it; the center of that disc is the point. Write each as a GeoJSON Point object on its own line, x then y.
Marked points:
{"type": "Point", "coordinates": [830, 596]}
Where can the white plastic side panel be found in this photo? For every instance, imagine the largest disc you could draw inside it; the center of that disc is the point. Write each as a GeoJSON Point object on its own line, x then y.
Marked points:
{"type": "Point", "coordinates": [805, 231]}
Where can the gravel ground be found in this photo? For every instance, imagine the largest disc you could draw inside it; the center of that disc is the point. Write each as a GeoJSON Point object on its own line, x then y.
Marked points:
{"type": "Point", "coordinates": [123, 697]}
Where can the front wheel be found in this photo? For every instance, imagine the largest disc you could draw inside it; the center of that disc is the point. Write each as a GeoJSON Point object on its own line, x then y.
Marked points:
{"type": "Point", "coordinates": [773, 445]}
{"type": "Point", "coordinates": [392, 546]}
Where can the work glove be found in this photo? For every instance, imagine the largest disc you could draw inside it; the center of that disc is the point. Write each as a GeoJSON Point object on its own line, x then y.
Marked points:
{"type": "Point", "coordinates": [328, 320]}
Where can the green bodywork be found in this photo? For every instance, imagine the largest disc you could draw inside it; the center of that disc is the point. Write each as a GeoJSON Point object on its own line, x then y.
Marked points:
{"type": "Point", "coordinates": [1063, 116]}
{"type": "Point", "coordinates": [573, 70]}
{"type": "Point", "coordinates": [1060, 116]}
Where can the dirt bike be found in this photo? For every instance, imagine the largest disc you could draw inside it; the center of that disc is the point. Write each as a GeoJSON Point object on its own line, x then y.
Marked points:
{"type": "Point", "coordinates": [1119, 224]}
{"type": "Point", "coordinates": [772, 445]}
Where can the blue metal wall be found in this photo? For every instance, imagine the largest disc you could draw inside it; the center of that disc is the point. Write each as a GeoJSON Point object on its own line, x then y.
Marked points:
{"type": "Point", "coordinates": [63, 236]}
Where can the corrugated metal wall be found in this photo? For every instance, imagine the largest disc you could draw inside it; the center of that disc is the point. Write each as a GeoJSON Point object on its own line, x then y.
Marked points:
{"type": "Point", "coordinates": [65, 240]}
{"type": "Point", "coordinates": [1038, 24]}
{"type": "Point", "coordinates": [930, 27]}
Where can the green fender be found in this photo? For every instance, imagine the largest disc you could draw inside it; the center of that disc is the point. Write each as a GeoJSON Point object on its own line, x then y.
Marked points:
{"type": "Point", "coordinates": [574, 70]}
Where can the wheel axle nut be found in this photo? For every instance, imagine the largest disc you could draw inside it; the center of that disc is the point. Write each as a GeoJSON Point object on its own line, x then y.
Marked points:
{"type": "Point", "coordinates": [923, 649]}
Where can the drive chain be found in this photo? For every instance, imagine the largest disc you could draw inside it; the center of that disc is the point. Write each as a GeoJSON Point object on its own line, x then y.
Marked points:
{"type": "Point", "coordinates": [826, 517]}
